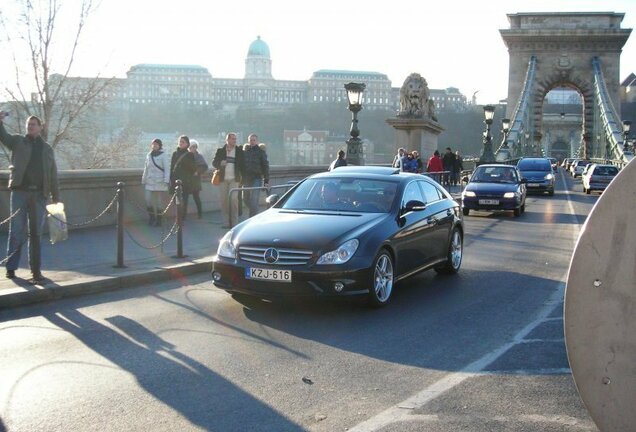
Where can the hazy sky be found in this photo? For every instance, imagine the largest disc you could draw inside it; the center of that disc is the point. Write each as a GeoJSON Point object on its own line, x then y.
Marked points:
{"type": "Point", "coordinates": [451, 43]}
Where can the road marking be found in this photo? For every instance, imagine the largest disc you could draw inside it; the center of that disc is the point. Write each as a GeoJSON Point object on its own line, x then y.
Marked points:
{"type": "Point", "coordinates": [402, 410]}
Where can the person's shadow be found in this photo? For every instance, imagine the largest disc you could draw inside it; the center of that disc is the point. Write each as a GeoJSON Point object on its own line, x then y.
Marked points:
{"type": "Point", "coordinates": [202, 396]}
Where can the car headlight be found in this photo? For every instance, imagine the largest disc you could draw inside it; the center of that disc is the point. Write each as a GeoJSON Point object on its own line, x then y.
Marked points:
{"type": "Point", "coordinates": [226, 247]}
{"type": "Point", "coordinates": [549, 176]}
{"type": "Point", "coordinates": [509, 195]}
{"type": "Point", "coordinates": [469, 194]}
{"type": "Point", "coordinates": [341, 255]}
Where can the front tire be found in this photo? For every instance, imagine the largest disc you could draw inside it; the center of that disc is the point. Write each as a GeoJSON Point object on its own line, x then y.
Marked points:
{"type": "Point", "coordinates": [382, 282]}
{"type": "Point", "coordinates": [466, 211]}
{"type": "Point", "coordinates": [517, 212]}
{"type": "Point", "coordinates": [455, 252]}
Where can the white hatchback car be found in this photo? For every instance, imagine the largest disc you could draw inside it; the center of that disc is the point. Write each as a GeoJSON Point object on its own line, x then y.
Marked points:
{"type": "Point", "coordinates": [578, 166]}
{"type": "Point", "coordinates": [597, 177]}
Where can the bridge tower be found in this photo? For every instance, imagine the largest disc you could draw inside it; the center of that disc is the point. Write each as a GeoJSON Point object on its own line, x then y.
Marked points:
{"type": "Point", "coordinates": [562, 47]}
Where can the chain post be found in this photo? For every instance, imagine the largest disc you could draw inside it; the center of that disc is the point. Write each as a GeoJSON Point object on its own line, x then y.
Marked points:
{"type": "Point", "coordinates": [179, 207]}
{"type": "Point", "coordinates": [120, 225]}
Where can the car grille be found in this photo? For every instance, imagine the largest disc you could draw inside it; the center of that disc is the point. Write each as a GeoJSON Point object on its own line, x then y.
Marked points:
{"type": "Point", "coordinates": [256, 254]}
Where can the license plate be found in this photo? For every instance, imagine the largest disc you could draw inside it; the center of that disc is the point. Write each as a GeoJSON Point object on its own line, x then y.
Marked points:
{"type": "Point", "coordinates": [533, 185]}
{"type": "Point", "coordinates": [488, 202]}
{"type": "Point", "coordinates": [268, 274]}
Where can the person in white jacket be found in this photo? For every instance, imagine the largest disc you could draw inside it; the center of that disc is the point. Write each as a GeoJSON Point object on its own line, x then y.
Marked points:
{"type": "Point", "coordinates": [156, 178]}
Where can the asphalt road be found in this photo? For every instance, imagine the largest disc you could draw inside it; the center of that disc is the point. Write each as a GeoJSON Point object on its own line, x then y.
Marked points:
{"type": "Point", "coordinates": [479, 351]}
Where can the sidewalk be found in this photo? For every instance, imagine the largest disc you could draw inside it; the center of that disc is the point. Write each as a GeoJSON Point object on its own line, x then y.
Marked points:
{"type": "Point", "coordinates": [85, 262]}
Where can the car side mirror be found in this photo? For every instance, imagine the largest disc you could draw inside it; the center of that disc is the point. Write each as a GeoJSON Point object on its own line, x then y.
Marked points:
{"type": "Point", "coordinates": [413, 205]}
{"type": "Point", "coordinates": [271, 200]}
{"type": "Point", "coordinates": [465, 179]}
{"type": "Point", "coordinates": [523, 181]}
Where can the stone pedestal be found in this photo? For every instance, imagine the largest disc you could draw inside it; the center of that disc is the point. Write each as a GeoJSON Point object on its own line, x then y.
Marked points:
{"type": "Point", "coordinates": [416, 134]}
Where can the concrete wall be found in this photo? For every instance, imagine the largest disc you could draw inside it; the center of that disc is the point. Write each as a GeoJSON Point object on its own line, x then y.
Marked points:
{"type": "Point", "coordinates": [86, 193]}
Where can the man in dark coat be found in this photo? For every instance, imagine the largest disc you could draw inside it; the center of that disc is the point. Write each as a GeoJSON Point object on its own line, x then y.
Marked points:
{"type": "Point", "coordinates": [182, 167]}
{"type": "Point", "coordinates": [32, 180]}
{"type": "Point", "coordinates": [340, 161]}
{"type": "Point", "coordinates": [230, 161]}
{"type": "Point", "coordinates": [256, 173]}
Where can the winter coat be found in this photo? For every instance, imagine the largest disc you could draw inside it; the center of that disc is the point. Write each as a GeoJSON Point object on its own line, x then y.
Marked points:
{"type": "Point", "coordinates": [21, 147]}
{"type": "Point", "coordinates": [156, 176]}
{"type": "Point", "coordinates": [182, 167]}
{"type": "Point", "coordinates": [256, 164]}
{"type": "Point", "coordinates": [337, 163]}
{"type": "Point", "coordinates": [435, 164]}
{"type": "Point", "coordinates": [239, 162]}
{"type": "Point", "coordinates": [201, 168]}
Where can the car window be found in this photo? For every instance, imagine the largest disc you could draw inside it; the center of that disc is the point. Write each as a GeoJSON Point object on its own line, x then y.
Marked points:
{"type": "Point", "coordinates": [342, 194]}
{"type": "Point", "coordinates": [606, 170]}
{"type": "Point", "coordinates": [499, 174]}
{"type": "Point", "coordinates": [430, 192]}
{"type": "Point", "coordinates": [534, 165]}
{"type": "Point", "coordinates": [412, 192]}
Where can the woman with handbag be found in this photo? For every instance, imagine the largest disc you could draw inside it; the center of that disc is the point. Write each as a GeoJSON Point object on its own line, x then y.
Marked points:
{"type": "Point", "coordinates": [155, 179]}
{"type": "Point", "coordinates": [201, 168]}
{"type": "Point", "coordinates": [182, 167]}
{"type": "Point", "coordinates": [230, 163]}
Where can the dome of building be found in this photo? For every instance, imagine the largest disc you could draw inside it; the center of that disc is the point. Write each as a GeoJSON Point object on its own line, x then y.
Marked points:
{"type": "Point", "coordinates": [258, 48]}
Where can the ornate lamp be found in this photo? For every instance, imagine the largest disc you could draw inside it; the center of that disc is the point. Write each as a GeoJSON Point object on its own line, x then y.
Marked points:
{"type": "Point", "coordinates": [505, 128]}
{"type": "Point", "coordinates": [354, 144]}
{"type": "Point", "coordinates": [626, 127]}
{"type": "Point", "coordinates": [487, 155]}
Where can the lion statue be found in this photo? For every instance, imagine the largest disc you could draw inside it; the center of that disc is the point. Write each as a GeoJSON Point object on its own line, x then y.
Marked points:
{"type": "Point", "coordinates": [415, 98]}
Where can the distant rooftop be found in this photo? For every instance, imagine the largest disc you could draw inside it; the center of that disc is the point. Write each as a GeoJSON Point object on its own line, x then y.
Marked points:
{"type": "Point", "coordinates": [349, 72]}
{"type": "Point", "coordinates": [167, 66]}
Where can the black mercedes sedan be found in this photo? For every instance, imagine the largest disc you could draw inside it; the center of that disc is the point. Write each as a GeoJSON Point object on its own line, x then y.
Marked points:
{"type": "Point", "coordinates": [353, 231]}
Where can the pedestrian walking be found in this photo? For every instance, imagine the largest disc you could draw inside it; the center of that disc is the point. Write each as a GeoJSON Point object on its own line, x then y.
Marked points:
{"type": "Point", "coordinates": [182, 168]}
{"type": "Point", "coordinates": [398, 159]}
{"type": "Point", "coordinates": [230, 161]}
{"type": "Point", "coordinates": [156, 179]}
{"type": "Point", "coordinates": [458, 167]}
{"type": "Point", "coordinates": [201, 167]}
{"type": "Point", "coordinates": [32, 180]}
{"type": "Point", "coordinates": [448, 161]}
{"type": "Point", "coordinates": [338, 162]}
{"type": "Point", "coordinates": [418, 162]}
{"type": "Point", "coordinates": [256, 173]}
{"type": "Point", "coordinates": [435, 166]}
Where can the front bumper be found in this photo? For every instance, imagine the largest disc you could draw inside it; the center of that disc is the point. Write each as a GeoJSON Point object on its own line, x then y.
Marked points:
{"type": "Point", "coordinates": [472, 203]}
{"type": "Point", "coordinates": [307, 281]}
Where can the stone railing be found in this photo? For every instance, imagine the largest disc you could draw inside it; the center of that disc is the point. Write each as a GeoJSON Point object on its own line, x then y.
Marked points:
{"type": "Point", "coordinates": [86, 193]}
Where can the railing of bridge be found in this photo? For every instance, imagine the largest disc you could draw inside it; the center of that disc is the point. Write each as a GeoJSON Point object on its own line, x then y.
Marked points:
{"type": "Point", "coordinates": [608, 117]}
{"type": "Point", "coordinates": [521, 120]}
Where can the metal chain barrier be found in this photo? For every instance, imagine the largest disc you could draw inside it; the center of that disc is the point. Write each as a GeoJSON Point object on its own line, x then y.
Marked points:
{"type": "Point", "coordinates": [172, 231]}
{"type": "Point", "coordinates": [88, 222]}
{"type": "Point", "coordinates": [144, 210]}
{"type": "Point", "coordinates": [11, 216]}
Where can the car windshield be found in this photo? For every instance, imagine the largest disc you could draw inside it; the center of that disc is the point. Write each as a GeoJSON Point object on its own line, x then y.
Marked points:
{"type": "Point", "coordinates": [606, 170]}
{"type": "Point", "coordinates": [534, 165]}
{"type": "Point", "coordinates": [343, 194]}
{"type": "Point", "coordinates": [495, 175]}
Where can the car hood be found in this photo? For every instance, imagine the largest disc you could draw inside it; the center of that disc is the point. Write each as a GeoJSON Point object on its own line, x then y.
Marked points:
{"type": "Point", "coordinates": [303, 229]}
{"type": "Point", "coordinates": [491, 187]}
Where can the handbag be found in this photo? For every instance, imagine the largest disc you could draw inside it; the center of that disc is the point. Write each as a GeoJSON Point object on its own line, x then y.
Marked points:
{"type": "Point", "coordinates": [216, 177]}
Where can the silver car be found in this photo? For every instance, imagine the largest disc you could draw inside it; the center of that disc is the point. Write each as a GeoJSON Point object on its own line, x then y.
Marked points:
{"type": "Point", "coordinates": [597, 177]}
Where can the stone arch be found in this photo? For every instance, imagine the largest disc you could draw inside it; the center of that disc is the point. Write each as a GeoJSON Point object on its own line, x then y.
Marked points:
{"type": "Point", "coordinates": [564, 44]}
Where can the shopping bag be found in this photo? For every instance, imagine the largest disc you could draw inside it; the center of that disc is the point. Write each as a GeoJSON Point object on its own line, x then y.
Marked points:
{"type": "Point", "coordinates": [216, 177]}
{"type": "Point", "coordinates": [58, 230]}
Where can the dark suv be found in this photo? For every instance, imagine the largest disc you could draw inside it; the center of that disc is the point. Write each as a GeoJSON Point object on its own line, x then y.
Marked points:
{"type": "Point", "coordinates": [538, 173]}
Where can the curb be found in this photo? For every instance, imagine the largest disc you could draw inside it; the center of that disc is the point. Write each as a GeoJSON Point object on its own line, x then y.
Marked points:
{"type": "Point", "coordinates": [103, 284]}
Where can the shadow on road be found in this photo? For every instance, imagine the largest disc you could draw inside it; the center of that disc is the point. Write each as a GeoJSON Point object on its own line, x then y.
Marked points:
{"type": "Point", "coordinates": [199, 394]}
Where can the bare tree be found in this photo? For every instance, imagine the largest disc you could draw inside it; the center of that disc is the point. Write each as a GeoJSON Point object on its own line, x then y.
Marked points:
{"type": "Point", "coordinates": [60, 100]}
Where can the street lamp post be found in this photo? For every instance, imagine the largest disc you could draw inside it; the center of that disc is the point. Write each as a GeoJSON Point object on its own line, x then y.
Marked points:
{"type": "Point", "coordinates": [487, 155]}
{"type": "Point", "coordinates": [505, 128]}
{"type": "Point", "coordinates": [354, 144]}
{"type": "Point", "coordinates": [626, 127]}
{"type": "Point", "coordinates": [526, 145]}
